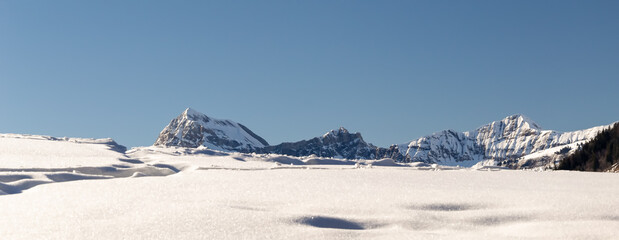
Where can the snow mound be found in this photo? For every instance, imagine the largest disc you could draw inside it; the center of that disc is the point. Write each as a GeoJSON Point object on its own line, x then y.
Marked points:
{"type": "Point", "coordinates": [27, 161]}
{"type": "Point", "coordinates": [385, 162]}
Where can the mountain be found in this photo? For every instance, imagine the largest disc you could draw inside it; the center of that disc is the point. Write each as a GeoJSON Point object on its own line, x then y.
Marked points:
{"type": "Point", "coordinates": [515, 141]}
{"type": "Point", "coordinates": [599, 154]}
{"type": "Point", "coordinates": [504, 142]}
{"type": "Point", "coordinates": [336, 143]}
{"type": "Point", "coordinates": [194, 129]}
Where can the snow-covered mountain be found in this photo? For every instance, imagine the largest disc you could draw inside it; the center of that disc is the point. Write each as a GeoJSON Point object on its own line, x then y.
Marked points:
{"type": "Point", "coordinates": [515, 141]}
{"type": "Point", "coordinates": [194, 129]}
{"type": "Point", "coordinates": [505, 141]}
{"type": "Point", "coordinates": [336, 143]}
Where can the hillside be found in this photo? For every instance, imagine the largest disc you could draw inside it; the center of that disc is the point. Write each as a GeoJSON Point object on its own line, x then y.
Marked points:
{"type": "Point", "coordinates": [599, 154]}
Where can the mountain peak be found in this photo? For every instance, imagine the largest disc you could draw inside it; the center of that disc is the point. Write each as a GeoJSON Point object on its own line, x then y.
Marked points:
{"type": "Point", "coordinates": [521, 121]}
{"type": "Point", "coordinates": [337, 132]}
{"type": "Point", "coordinates": [337, 143]}
{"type": "Point", "coordinates": [192, 129]}
{"type": "Point", "coordinates": [191, 114]}
{"type": "Point", "coordinates": [190, 111]}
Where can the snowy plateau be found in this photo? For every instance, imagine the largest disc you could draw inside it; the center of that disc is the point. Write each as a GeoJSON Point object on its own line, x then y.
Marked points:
{"type": "Point", "coordinates": [215, 179]}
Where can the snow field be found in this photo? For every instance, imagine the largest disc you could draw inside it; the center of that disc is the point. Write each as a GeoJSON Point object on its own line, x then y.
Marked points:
{"type": "Point", "coordinates": [377, 203]}
{"type": "Point", "coordinates": [30, 160]}
{"type": "Point", "coordinates": [207, 194]}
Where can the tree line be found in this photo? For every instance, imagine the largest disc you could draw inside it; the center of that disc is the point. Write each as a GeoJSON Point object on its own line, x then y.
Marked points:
{"type": "Point", "coordinates": [598, 154]}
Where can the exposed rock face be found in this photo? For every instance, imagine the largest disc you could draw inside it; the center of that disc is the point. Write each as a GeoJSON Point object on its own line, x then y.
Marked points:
{"type": "Point", "coordinates": [444, 146]}
{"type": "Point", "coordinates": [335, 143]}
{"type": "Point", "coordinates": [392, 152]}
{"type": "Point", "coordinates": [194, 129]}
{"type": "Point", "coordinates": [505, 140]}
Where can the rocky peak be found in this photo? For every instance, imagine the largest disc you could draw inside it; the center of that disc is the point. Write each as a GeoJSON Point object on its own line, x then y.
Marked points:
{"type": "Point", "coordinates": [335, 133]}
{"type": "Point", "coordinates": [510, 127]}
{"type": "Point", "coordinates": [192, 129]}
{"type": "Point", "coordinates": [522, 122]}
{"type": "Point", "coordinates": [194, 115]}
{"type": "Point", "coordinates": [342, 135]}
{"type": "Point", "coordinates": [338, 143]}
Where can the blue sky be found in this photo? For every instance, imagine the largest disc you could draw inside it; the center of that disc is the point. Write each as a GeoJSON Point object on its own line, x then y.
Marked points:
{"type": "Point", "coordinates": [292, 70]}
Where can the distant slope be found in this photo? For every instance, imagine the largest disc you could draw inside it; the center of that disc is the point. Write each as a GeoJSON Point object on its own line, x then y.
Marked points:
{"type": "Point", "coordinates": [599, 154]}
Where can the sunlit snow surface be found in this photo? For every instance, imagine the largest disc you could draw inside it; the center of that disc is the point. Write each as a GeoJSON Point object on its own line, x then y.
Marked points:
{"type": "Point", "coordinates": [214, 195]}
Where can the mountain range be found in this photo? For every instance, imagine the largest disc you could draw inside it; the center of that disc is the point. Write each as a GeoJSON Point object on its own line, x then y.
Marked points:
{"type": "Point", "coordinates": [515, 141]}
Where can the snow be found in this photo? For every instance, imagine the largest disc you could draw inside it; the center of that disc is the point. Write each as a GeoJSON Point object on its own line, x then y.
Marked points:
{"type": "Point", "coordinates": [334, 133]}
{"type": "Point", "coordinates": [225, 129]}
{"type": "Point", "coordinates": [511, 138]}
{"type": "Point", "coordinates": [209, 194]}
{"type": "Point", "coordinates": [35, 151]}
{"type": "Point", "coordinates": [30, 160]}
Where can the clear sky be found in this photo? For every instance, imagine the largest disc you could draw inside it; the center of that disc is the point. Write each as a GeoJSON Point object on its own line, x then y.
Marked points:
{"type": "Point", "coordinates": [292, 70]}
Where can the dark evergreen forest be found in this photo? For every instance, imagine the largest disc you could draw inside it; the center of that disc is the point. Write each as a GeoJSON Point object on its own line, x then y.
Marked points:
{"type": "Point", "coordinates": [598, 154]}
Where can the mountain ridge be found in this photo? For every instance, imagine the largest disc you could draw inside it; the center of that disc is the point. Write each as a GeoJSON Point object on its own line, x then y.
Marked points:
{"type": "Point", "coordinates": [504, 141]}
{"type": "Point", "coordinates": [338, 143]}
